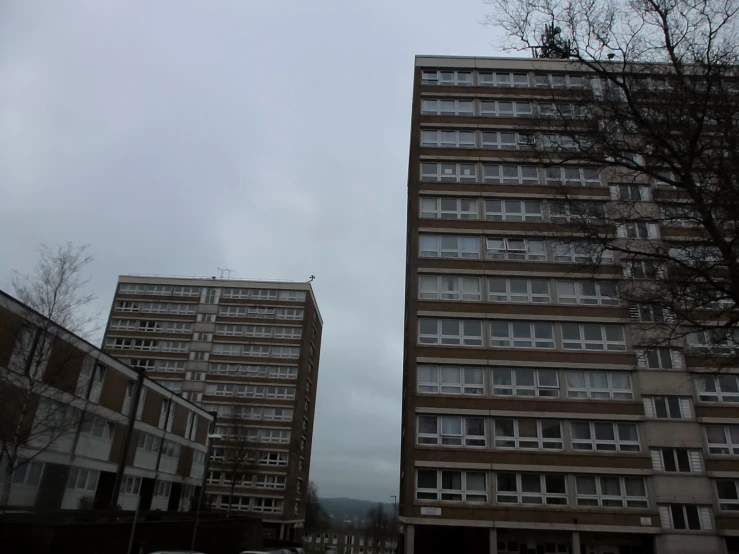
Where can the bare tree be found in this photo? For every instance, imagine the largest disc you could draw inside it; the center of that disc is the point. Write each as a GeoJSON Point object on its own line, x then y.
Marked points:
{"type": "Point", "coordinates": [657, 112]}
{"type": "Point", "coordinates": [315, 516]}
{"type": "Point", "coordinates": [380, 527]}
{"type": "Point", "coordinates": [240, 462]}
{"type": "Point", "coordinates": [42, 374]}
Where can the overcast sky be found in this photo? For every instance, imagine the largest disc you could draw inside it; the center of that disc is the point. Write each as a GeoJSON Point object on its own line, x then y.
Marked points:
{"type": "Point", "coordinates": [270, 137]}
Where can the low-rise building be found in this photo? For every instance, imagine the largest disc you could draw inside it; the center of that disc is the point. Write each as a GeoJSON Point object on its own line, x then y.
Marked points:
{"type": "Point", "coordinates": [351, 542]}
{"type": "Point", "coordinates": [89, 430]}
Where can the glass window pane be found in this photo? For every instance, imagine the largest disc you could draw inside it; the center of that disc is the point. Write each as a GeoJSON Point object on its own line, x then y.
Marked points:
{"type": "Point", "coordinates": [525, 377]}
{"type": "Point", "coordinates": [501, 376]}
{"type": "Point", "coordinates": [586, 485]}
{"type": "Point", "coordinates": [427, 479]}
{"type": "Point", "coordinates": [530, 483]}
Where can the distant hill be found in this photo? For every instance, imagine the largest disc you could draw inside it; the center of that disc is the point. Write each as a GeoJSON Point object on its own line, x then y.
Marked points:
{"type": "Point", "coordinates": [350, 508]}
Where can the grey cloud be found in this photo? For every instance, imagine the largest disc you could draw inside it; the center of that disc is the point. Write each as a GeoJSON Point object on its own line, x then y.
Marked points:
{"type": "Point", "coordinates": [268, 137]}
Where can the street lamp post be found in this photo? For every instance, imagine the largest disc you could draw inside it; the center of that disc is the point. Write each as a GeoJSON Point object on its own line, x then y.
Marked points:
{"type": "Point", "coordinates": [211, 436]}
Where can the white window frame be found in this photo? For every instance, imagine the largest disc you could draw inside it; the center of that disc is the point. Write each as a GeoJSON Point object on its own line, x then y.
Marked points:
{"type": "Point", "coordinates": [537, 336]}
{"type": "Point", "coordinates": [581, 297]}
{"type": "Point", "coordinates": [681, 408]}
{"type": "Point", "coordinates": [643, 230]}
{"type": "Point", "coordinates": [690, 463]}
{"type": "Point", "coordinates": [503, 79]}
{"type": "Point", "coordinates": [622, 500]}
{"type": "Point", "coordinates": [444, 379]}
{"type": "Point", "coordinates": [445, 139]}
{"type": "Point", "coordinates": [730, 504]}
{"type": "Point", "coordinates": [528, 210]}
{"type": "Point", "coordinates": [581, 252]}
{"type": "Point", "coordinates": [709, 387]}
{"type": "Point", "coordinates": [435, 207]}
{"type": "Point", "coordinates": [441, 106]}
{"type": "Point", "coordinates": [502, 248]}
{"type": "Point", "coordinates": [83, 479]}
{"type": "Point", "coordinates": [574, 176]}
{"type": "Point", "coordinates": [445, 172]}
{"type": "Point", "coordinates": [459, 339]}
{"type": "Point", "coordinates": [463, 494]}
{"type": "Point", "coordinates": [730, 444]}
{"type": "Point", "coordinates": [702, 513]}
{"type": "Point", "coordinates": [518, 296]}
{"type": "Point", "coordinates": [505, 382]}
{"type": "Point", "coordinates": [519, 496]}
{"type": "Point", "coordinates": [602, 345]}
{"type": "Point", "coordinates": [449, 287]}
{"type": "Point", "coordinates": [526, 442]}
{"type": "Point", "coordinates": [509, 174]}
{"type": "Point", "coordinates": [441, 436]}
{"type": "Point", "coordinates": [462, 249]}
{"type": "Point", "coordinates": [598, 393]}
{"type": "Point", "coordinates": [659, 358]}
{"type": "Point", "coordinates": [595, 444]}
{"type": "Point", "coordinates": [446, 77]}
{"type": "Point", "coordinates": [567, 211]}
{"type": "Point", "coordinates": [506, 140]}
{"type": "Point", "coordinates": [559, 80]}
{"type": "Point", "coordinates": [517, 108]}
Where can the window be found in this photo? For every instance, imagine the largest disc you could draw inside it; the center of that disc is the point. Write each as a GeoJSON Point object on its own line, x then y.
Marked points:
{"type": "Point", "coordinates": [449, 246]}
{"type": "Point", "coordinates": [466, 332]}
{"type": "Point", "coordinates": [447, 138]}
{"type": "Point", "coordinates": [510, 174]}
{"type": "Point", "coordinates": [513, 210]}
{"type": "Point", "coordinates": [614, 385]}
{"type": "Point", "coordinates": [685, 516]}
{"type": "Point", "coordinates": [451, 430]}
{"type": "Point", "coordinates": [588, 293]}
{"type": "Point", "coordinates": [162, 488]}
{"type": "Point", "coordinates": [659, 358]}
{"type": "Point", "coordinates": [521, 334]}
{"type": "Point", "coordinates": [525, 382]}
{"type": "Point", "coordinates": [448, 172]}
{"type": "Point", "coordinates": [591, 336]}
{"type": "Point", "coordinates": [447, 106]}
{"type": "Point", "coordinates": [581, 252]}
{"type": "Point", "coordinates": [723, 439]}
{"type": "Point", "coordinates": [642, 269]}
{"type": "Point", "coordinates": [451, 380]}
{"type": "Point", "coordinates": [446, 77]}
{"type": "Point", "coordinates": [83, 479]}
{"type": "Point", "coordinates": [718, 341]}
{"type": "Point", "coordinates": [523, 434]}
{"type": "Point", "coordinates": [28, 474]}
{"type": "Point", "coordinates": [449, 287]}
{"type": "Point", "coordinates": [637, 230]}
{"type": "Point", "coordinates": [680, 215]}
{"type": "Point", "coordinates": [559, 80]}
{"type": "Point", "coordinates": [573, 176]}
{"type": "Point", "coordinates": [200, 356]}
{"type": "Point", "coordinates": [173, 346]}
{"type": "Point", "coordinates": [668, 407]}
{"type": "Point", "coordinates": [498, 79]}
{"type": "Point", "coordinates": [605, 436]}
{"type": "Point", "coordinates": [283, 313]}
{"type": "Point", "coordinates": [449, 208]}
{"type": "Point", "coordinates": [577, 212]}
{"type": "Point", "coordinates": [203, 336]}
{"type": "Point", "coordinates": [552, 109]}
{"type": "Point", "coordinates": [503, 140]}
{"type": "Point", "coordinates": [516, 289]}
{"type": "Point", "coordinates": [565, 143]}
{"type": "Point", "coordinates": [630, 193]}
{"type": "Point", "coordinates": [515, 249]}
{"type": "Point", "coordinates": [611, 492]}
{"type": "Point", "coordinates": [677, 460]}
{"type": "Point", "coordinates": [453, 486]}
{"type": "Point", "coordinates": [501, 108]}
{"type": "Point", "coordinates": [531, 488]}
{"type": "Point", "coordinates": [96, 426]}
{"type": "Point", "coordinates": [130, 485]}
{"type": "Point", "coordinates": [728, 494]}
{"type": "Point", "coordinates": [718, 388]}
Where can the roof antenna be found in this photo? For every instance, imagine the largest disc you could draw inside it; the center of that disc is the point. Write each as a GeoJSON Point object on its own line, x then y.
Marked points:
{"type": "Point", "coordinates": [225, 270]}
{"type": "Point", "coordinates": [312, 278]}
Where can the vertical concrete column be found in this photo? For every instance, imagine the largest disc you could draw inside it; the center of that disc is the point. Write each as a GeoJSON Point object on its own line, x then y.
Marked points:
{"type": "Point", "coordinates": [575, 542]}
{"type": "Point", "coordinates": [410, 539]}
{"type": "Point", "coordinates": [493, 546]}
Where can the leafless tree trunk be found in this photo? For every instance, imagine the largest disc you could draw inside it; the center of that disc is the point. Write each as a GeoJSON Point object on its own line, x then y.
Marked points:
{"type": "Point", "coordinates": [659, 116]}
{"type": "Point", "coordinates": [42, 375]}
{"type": "Point", "coordinates": [241, 460]}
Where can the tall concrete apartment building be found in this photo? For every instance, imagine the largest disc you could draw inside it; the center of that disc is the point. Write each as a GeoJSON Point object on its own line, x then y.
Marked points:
{"type": "Point", "coordinates": [247, 350]}
{"type": "Point", "coordinates": [532, 423]}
